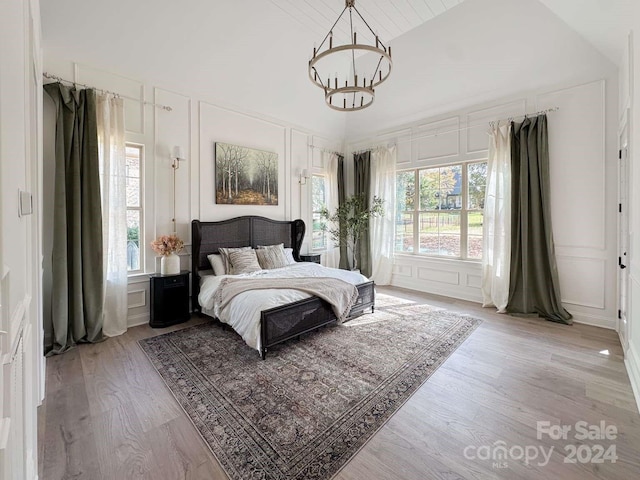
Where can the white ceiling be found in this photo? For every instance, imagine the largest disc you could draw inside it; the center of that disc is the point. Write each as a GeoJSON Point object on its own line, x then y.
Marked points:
{"type": "Point", "coordinates": [603, 23]}
{"type": "Point", "coordinates": [253, 54]}
{"type": "Point", "coordinates": [388, 18]}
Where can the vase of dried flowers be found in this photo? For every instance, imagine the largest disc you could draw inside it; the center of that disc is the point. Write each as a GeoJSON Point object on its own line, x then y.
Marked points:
{"type": "Point", "coordinates": [168, 246]}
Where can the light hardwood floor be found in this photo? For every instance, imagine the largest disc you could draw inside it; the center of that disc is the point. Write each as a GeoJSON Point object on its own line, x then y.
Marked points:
{"type": "Point", "coordinates": [108, 415]}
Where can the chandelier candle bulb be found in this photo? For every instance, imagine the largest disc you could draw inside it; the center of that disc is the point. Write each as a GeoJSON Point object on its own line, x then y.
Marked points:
{"type": "Point", "coordinates": [355, 38]}
{"type": "Point", "coordinates": [330, 40]}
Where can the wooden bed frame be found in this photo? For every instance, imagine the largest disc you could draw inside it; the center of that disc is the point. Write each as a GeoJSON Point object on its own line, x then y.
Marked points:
{"type": "Point", "coordinates": [281, 323]}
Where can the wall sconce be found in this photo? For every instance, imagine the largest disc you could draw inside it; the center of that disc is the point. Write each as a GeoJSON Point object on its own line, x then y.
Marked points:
{"type": "Point", "coordinates": [304, 175]}
{"type": "Point", "coordinates": [177, 155]}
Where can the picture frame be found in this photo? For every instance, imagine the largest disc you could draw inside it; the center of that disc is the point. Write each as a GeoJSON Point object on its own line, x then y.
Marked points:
{"type": "Point", "coordinates": [245, 176]}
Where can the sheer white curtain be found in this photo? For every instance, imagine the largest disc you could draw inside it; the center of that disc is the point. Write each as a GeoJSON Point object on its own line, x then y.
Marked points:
{"type": "Point", "coordinates": [496, 230]}
{"type": "Point", "coordinates": [382, 236]}
{"type": "Point", "coordinates": [111, 145]}
{"type": "Point", "coordinates": [330, 165]}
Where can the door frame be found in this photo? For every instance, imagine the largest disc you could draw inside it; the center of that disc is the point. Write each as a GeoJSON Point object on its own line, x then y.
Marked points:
{"type": "Point", "coordinates": [623, 230]}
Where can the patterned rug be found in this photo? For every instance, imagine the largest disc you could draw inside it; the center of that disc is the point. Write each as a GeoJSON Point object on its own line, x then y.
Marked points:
{"type": "Point", "coordinates": [312, 404]}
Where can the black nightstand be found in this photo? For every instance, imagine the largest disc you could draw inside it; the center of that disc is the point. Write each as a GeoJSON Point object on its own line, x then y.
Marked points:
{"type": "Point", "coordinates": [310, 257]}
{"type": "Point", "coordinates": [169, 299]}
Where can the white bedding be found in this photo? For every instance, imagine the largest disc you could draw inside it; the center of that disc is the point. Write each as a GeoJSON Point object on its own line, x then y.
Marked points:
{"type": "Point", "coordinates": [243, 312]}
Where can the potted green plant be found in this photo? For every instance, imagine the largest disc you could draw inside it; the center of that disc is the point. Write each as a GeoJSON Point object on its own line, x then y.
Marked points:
{"type": "Point", "coordinates": [349, 221]}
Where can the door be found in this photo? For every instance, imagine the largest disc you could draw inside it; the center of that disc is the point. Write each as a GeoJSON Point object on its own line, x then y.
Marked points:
{"type": "Point", "coordinates": [623, 233]}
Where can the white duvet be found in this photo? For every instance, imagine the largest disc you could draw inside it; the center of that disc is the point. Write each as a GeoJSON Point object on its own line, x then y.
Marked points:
{"type": "Point", "coordinates": [243, 312]}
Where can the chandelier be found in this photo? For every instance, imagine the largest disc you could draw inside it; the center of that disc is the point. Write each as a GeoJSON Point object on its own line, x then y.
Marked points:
{"type": "Point", "coordinates": [354, 87]}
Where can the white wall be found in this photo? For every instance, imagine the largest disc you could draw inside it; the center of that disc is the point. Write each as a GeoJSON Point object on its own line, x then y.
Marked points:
{"type": "Point", "coordinates": [21, 358]}
{"type": "Point", "coordinates": [582, 144]}
{"type": "Point", "coordinates": [477, 52]}
{"type": "Point", "coordinates": [248, 56]}
{"type": "Point", "coordinates": [195, 123]}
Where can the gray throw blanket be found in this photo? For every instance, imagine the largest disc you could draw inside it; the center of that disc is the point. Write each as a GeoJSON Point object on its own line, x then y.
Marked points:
{"type": "Point", "coordinates": [339, 294]}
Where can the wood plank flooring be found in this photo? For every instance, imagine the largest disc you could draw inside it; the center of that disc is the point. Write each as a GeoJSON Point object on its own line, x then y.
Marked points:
{"type": "Point", "coordinates": [108, 415]}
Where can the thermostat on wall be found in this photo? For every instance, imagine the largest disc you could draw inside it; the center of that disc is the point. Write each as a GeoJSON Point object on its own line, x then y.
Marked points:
{"type": "Point", "coordinates": [26, 204]}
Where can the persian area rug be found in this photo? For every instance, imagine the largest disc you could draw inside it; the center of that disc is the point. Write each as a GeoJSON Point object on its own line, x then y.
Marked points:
{"type": "Point", "coordinates": [312, 404]}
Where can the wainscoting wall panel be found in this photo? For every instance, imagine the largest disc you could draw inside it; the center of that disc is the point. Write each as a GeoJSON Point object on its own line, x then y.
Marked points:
{"type": "Point", "coordinates": [577, 136]}
{"type": "Point", "coordinates": [436, 140]}
{"type": "Point", "coordinates": [474, 281]}
{"type": "Point", "coordinates": [582, 144]}
{"type": "Point", "coordinates": [134, 111]}
{"type": "Point", "coordinates": [439, 276]}
{"type": "Point", "coordinates": [477, 135]}
{"type": "Point", "coordinates": [582, 280]}
{"type": "Point", "coordinates": [137, 298]}
{"type": "Point", "coordinates": [219, 124]}
{"type": "Point", "coordinates": [402, 270]}
{"type": "Point", "coordinates": [402, 140]}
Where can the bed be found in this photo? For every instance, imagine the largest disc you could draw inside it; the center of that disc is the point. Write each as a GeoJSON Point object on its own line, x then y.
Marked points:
{"type": "Point", "coordinates": [279, 323]}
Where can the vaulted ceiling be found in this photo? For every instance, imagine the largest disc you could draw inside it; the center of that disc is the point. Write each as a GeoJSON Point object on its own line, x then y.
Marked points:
{"type": "Point", "coordinates": [253, 54]}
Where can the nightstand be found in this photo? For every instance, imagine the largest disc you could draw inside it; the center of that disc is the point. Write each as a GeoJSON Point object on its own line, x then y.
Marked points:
{"type": "Point", "coordinates": [310, 257]}
{"type": "Point", "coordinates": [169, 299]}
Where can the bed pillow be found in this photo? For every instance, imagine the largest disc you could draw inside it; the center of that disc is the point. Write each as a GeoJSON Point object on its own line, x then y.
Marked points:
{"type": "Point", "coordinates": [224, 252]}
{"type": "Point", "coordinates": [288, 253]}
{"type": "Point", "coordinates": [272, 256]}
{"type": "Point", "coordinates": [217, 263]}
{"type": "Point", "coordinates": [243, 261]}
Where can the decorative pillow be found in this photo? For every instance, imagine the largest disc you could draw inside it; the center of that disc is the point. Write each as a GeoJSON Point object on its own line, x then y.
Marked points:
{"type": "Point", "coordinates": [272, 256]}
{"type": "Point", "coordinates": [224, 252]}
{"type": "Point", "coordinates": [243, 261]}
{"type": "Point", "coordinates": [217, 263]}
{"type": "Point", "coordinates": [288, 253]}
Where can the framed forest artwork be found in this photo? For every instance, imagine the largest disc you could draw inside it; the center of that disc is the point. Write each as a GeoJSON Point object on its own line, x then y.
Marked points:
{"type": "Point", "coordinates": [245, 176]}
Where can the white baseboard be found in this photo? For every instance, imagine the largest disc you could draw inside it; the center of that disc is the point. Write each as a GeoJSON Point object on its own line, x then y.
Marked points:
{"type": "Point", "coordinates": [140, 319]}
{"type": "Point", "coordinates": [460, 293]}
{"type": "Point", "coordinates": [472, 295]}
{"type": "Point", "coordinates": [632, 362]}
{"type": "Point", "coordinates": [586, 319]}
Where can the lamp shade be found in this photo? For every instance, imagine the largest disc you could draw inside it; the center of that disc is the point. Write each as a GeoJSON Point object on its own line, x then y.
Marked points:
{"type": "Point", "coordinates": [178, 152]}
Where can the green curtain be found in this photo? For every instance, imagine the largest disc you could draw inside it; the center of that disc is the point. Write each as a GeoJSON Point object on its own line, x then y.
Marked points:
{"type": "Point", "coordinates": [77, 270]}
{"type": "Point", "coordinates": [534, 285]}
{"type": "Point", "coordinates": [342, 196]}
{"type": "Point", "coordinates": [362, 169]}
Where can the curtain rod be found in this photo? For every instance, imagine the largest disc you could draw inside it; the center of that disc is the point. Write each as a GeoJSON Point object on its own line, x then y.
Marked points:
{"type": "Point", "coordinates": [62, 80]}
{"type": "Point", "coordinates": [313, 147]}
{"type": "Point", "coordinates": [509, 119]}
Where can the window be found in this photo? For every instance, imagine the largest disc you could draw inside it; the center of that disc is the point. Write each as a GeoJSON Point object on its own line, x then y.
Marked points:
{"type": "Point", "coordinates": [318, 202]}
{"type": "Point", "coordinates": [134, 207]}
{"type": "Point", "coordinates": [440, 210]}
